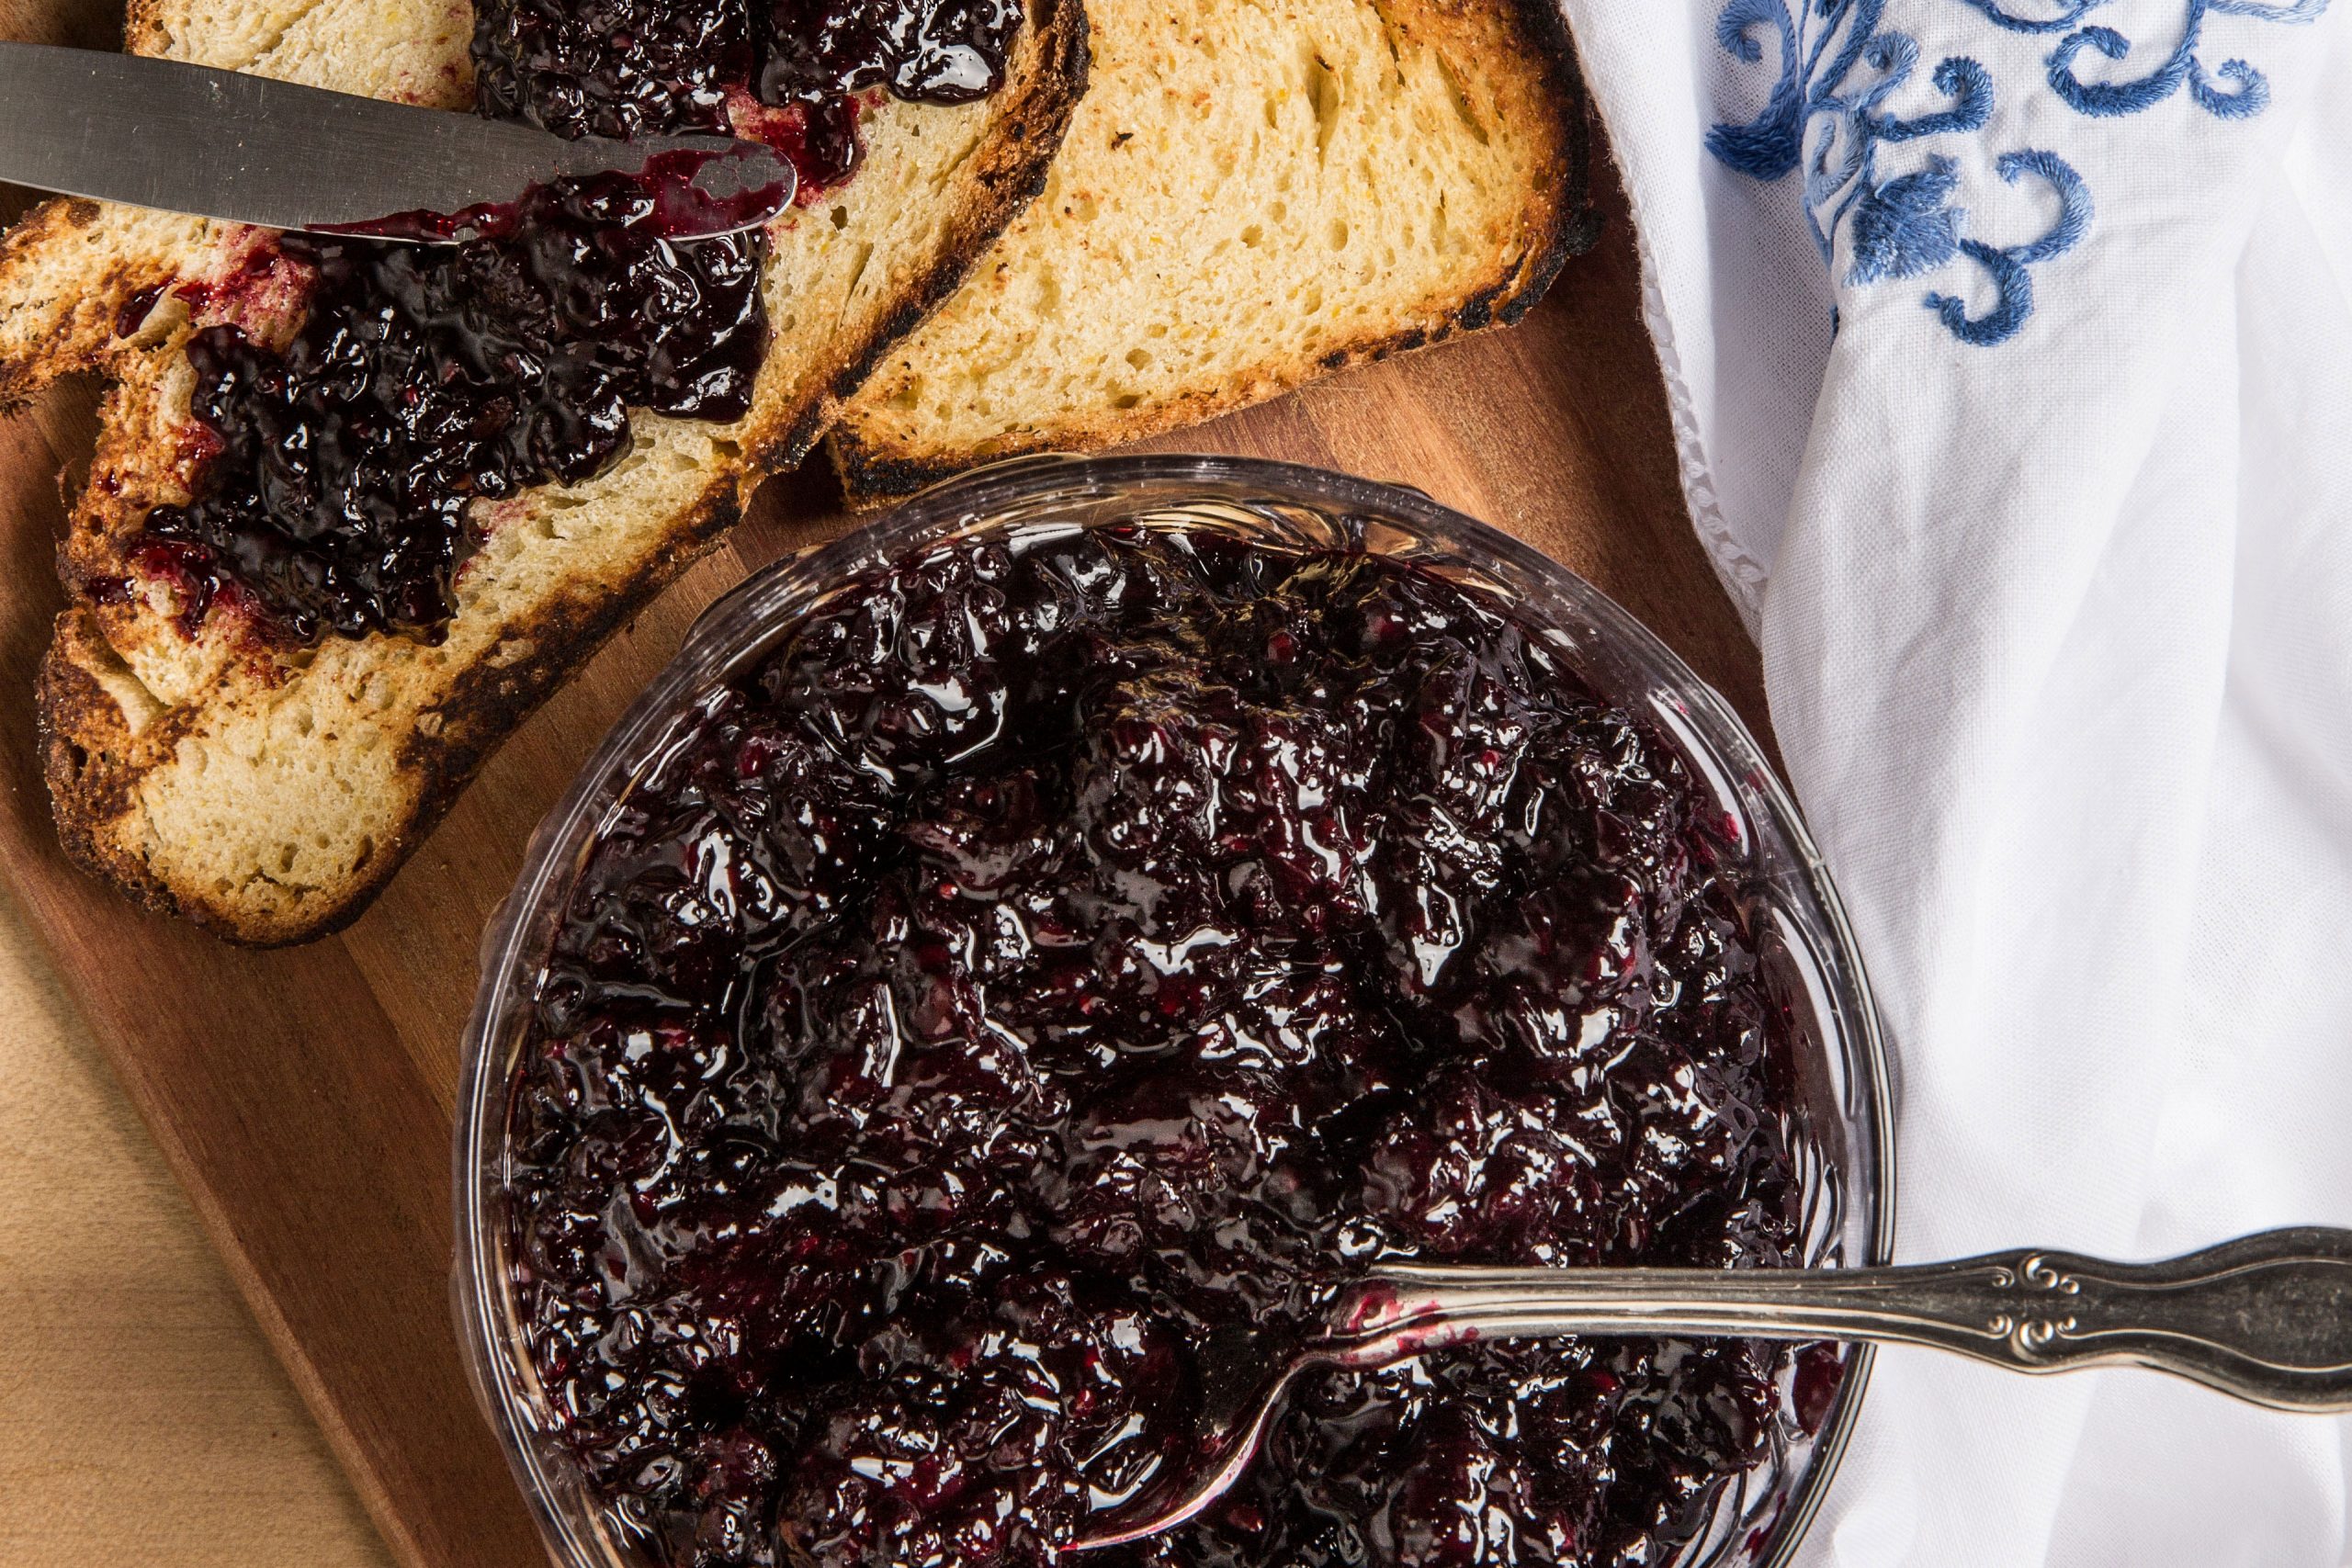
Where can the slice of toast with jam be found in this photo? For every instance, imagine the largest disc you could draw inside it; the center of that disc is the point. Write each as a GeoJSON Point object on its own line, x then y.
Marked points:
{"type": "Point", "coordinates": [327, 559]}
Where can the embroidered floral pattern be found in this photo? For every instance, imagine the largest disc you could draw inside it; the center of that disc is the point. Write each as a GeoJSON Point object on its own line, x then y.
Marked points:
{"type": "Point", "coordinates": [1839, 68]}
{"type": "Point", "coordinates": [2247, 92]}
{"type": "Point", "coordinates": [2234, 90]}
{"type": "Point", "coordinates": [1829, 114]}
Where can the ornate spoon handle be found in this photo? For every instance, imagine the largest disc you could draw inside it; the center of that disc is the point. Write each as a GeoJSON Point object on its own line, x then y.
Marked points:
{"type": "Point", "coordinates": [2266, 1317]}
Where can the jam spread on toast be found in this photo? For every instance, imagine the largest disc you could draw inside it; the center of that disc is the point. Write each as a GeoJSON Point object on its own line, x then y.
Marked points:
{"type": "Point", "coordinates": [342, 464]}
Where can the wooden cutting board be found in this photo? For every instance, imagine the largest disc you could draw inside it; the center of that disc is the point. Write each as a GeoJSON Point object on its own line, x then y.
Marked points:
{"type": "Point", "coordinates": [305, 1098]}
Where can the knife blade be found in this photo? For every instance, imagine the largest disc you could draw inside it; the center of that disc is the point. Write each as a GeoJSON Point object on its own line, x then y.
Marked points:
{"type": "Point", "coordinates": [224, 145]}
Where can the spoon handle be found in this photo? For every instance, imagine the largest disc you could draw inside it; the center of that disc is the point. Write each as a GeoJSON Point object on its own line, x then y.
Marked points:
{"type": "Point", "coordinates": [2266, 1318]}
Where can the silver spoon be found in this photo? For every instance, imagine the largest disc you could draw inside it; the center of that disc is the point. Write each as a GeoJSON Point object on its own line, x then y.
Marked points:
{"type": "Point", "coordinates": [2266, 1318]}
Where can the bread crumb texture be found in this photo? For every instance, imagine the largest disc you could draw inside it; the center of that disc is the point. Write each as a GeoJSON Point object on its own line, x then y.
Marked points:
{"type": "Point", "coordinates": [1252, 192]}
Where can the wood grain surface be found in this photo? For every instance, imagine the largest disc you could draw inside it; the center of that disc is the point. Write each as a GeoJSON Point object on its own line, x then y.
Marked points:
{"type": "Point", "coordinates": [144, 1419]}
{"type": "Point", "coordinates": [304, 1099]}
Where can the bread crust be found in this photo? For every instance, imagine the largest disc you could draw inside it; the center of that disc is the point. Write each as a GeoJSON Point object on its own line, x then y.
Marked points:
{"type": "Point", "coordinates": [63, 326]}
{"type": "Point", "coordinates": [1562, 221]}
{"type": "Point", "coordinates": [105, 742]}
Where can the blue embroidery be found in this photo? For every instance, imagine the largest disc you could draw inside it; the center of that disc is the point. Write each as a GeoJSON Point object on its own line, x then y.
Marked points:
{"type": "Point", "coordinates": [1906, 226]}
{"type": "Point", "coordinates": [2247, 92]}
{"type": "Point", "coordinates": [1838, 70]}
{"type": "Point", "coordinates": [2075, 11]}
{"type": "Point", "coordinates": [2008, 267]}
{"type": "Point", "coordinates": [1769, 146]}
{"type": "Point", "coordinates": [1827, 117]}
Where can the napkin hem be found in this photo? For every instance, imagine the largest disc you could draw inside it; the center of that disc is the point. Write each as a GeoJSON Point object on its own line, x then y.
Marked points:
{"type": "Point", "coordinates": [1741, 574]}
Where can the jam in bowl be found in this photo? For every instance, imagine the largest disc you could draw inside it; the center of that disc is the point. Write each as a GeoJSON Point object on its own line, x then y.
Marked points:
{"type": "Point", "coordinates": [1110, 901]}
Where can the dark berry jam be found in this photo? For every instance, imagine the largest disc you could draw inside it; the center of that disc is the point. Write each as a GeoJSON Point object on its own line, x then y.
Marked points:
{"type": "Point", "coordinates": [629, 67]}
{"type": "Point", "coordinates": [421, 379]}
{"type": "Point", "coordinates": [944, 51]}
{"type": "Point", "coordinates": [1054, 953]}
{"type": "Point", "coordinates": [618, 68]}
{"type": "Point", "coordinates": [425, 378]}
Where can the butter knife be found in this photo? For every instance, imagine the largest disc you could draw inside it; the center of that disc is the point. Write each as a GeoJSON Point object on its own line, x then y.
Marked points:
{"type": "Point", "coordinates": [162, 133]}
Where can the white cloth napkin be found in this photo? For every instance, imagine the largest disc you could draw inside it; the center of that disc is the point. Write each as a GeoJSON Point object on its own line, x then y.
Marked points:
{"type": "Point", "coordinates": [2048, 543]}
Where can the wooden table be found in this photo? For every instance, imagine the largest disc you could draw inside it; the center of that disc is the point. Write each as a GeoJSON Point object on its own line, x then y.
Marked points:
{"type": "Point", "coordinates": [303, 1098]}
{"type": "Point", "coordinates": [143, 1420]}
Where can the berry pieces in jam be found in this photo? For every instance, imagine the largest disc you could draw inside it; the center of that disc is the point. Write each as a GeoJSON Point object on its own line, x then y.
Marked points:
{"type": "Point", "coordinates": [1051, 953]}
{"type": "Point", "coordinates": [425, 378]}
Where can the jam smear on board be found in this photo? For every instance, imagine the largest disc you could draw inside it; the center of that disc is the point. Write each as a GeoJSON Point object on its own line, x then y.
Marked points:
{"type": "Point", "coordinates": [1052, 952]}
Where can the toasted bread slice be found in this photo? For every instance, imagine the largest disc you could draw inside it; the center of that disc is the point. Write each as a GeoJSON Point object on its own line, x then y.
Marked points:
{"type": "Point", "coordinates": [1253, 192]}
{"type": "Point", "coordinates": [266, 793]}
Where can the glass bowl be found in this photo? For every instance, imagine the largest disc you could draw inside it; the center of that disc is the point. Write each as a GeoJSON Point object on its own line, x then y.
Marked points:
{"type": "Point", "coordinates": [1845, 1147]}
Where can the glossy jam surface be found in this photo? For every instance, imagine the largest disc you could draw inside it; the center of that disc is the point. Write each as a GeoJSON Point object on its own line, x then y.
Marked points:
{"type": "Point", "coordinates": [618, 68]}
{"type": "Point", "coordinates": [341, 461]}
{"type": "Point", "coordinates": [423, 379]}
{"type": "Point", "coordinates": [626, 68]}
{"type": "Point", "coordinates": [1049, 954]}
